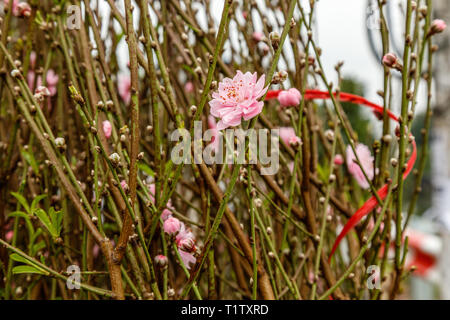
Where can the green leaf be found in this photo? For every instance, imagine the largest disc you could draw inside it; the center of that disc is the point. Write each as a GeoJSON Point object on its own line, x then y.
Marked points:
{"type": "Point", "coordinates": [22, 201]}
{"type": "Point", "coordinates": [19, 258]}
{"type": "Point", "coordinates": [29, 157]}
{"type": "Point", "coordinates": [56, 218]}
{"type": "Point", "coordinates": [43, 217]}
{"type": "Point", "coordinates": [27, 269]}
{"type": "Point", "coordinates": [37, 247]}
{"type": "Point", "coordinates": [36, 201]}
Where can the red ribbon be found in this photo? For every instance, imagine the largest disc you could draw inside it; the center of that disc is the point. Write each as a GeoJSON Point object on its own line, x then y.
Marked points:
{"type": "Point", "coordinates": [370, 204]}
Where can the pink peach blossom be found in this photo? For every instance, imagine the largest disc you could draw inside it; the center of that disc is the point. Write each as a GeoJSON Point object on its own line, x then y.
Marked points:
{"type": "Point", "coordinates": [366, 159]}
{"type": "Point", "coordinates": [438, 26]}
{"type": "Point", "coordinates": [189, 87]}
{"type": "Point", "coordinates": [23, 9]}
{"type": "Point", "coordinates": [124, 185]}
{"type": "Point", "coordinates": [390, 60]}
{"type": "Point", "coordinates": [288, 136]}
{"type": "Point", "coordinates": [43, 91]}
{"type": "Point", "coordinates": [187, 258]}
{"type": "Point", "coordinates": [237, 98]}
{"type": "Point", "coordinates": [107, 129]}
{"type": "Point", "coordinates": [289, 98]}
{"type": "Point", "coordinates": [172, 225]}
{"type": "Point", "coordinates": [257, 36]}
{"type": "Point", "coordinates": [9, 235]}
{"type": "Point", "coordinates": [185, 241]}
{"type": "Point", "coordinates": [184, 237]}
{"type": "Point", "coordinates": [125, 88]}
{"type": "Point", "coordinates": [161, 260]}
{"type": "Point", "coordinates": [338, 160]}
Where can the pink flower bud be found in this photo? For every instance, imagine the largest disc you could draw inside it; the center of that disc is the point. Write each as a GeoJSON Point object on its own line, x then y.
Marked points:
{"type": "Point", "coordinates": [24, 9]}
{"type": "Point", "coordinates": [124, 185]}
{"type": "Point", "coordinates": [107, 129]}
{"type": "Point", "coordinates": [390, 60]}
{"type": "Point", "coordinates": [257, 36]}
{"type": "Point", "coordinates": [43, 91]}
{"type": "Point", "coordinates": [187, 244]}
{"type": "Point", "coordinates": [189, 87]}
{"type": "Point", "coordinates": [437, 26]}
{"type": "Point", "coordinates": [172, 225]}
{"type": "Point", "coordinates": [289, 98]}
{"type": "Point", "coordinates": [166, 214]}
{"type": "Point", "coordinates": [161, 260]}
{"type": "Point", "coordinates": [338, 160]}
{"type": "Point", "coordinates": [9, 235]}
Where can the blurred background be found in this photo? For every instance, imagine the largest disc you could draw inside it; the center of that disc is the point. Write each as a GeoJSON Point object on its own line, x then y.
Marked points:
{"type": "Point", "coordinates": [348, 31]}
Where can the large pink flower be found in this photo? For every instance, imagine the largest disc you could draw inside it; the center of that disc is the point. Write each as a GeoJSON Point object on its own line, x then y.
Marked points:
{"type": "Point", "coordinates": [237, 98]}
{"type": "Point", "coordinates": [366, 159]}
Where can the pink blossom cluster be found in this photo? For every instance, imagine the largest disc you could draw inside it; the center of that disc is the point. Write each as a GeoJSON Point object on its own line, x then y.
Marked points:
{"type": "Point", "coordinates": [19, 9]}
{"type": "Point", "coordinates": [238, 99]}
{"type": "Point", "coordinates": [184, 238]}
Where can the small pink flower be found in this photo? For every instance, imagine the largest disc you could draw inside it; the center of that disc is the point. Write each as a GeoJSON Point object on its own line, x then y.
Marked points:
{"type": "Point", "coordinates": [43, 91]}
{"type": "Point", "coordinates": [390, 60]}
{"type": "Point", "coordinates": [288, 136]}
{"type": "Point", "coordinates": [166, 214]}
{"type": "Point", "coordinates": [185, 239]}
{"type": "Point", "coordinates": [257, 36]}
{"type": "Point", "coordinates": [187, 258]}
{"type": "Point", "coordinates": [172, 225]}
{"type": "Point", "coordinates": [9, 235]}
{"type": "Point", "coordinates": [245, 14]}
{"type": "Point", "coordinates": [338, 159]}
{"type": "Point", "coordinates": [161, 260]}
{"type": "Point", "coordinates": [438, 26]}
{"type": "Point", "coordinates": [125, 88]}
{"type": "Point", "coordinates": [124, 185]}
{"type": "Point", "coordinates": [24, 9]}
{"type": "Point", "coordinates": [107, 128]}
{"type": "Point", "coordinates": [189, 87]}
{"type": "Point", "coordinates": [32, 60]}
{"type": "Point", "coordinates": [52, 80]}
{"type": "Point", "coordinates": [366, 159]}
{"type": "Point", "coordinates": [289, 98]}
{"type": "Point", "coordinates": [95, 250]}
{"type": "Point", "coordinates": [237, 98]}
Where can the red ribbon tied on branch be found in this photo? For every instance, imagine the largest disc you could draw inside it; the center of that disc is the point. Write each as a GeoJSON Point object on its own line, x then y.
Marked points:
{"type": "Point", "coordinates": [372, 202]}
